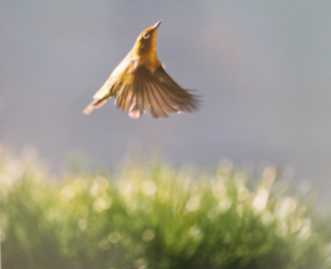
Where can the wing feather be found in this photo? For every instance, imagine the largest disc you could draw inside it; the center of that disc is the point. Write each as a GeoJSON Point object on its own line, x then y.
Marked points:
{"type": "Point", "coordinates": [155, 92]}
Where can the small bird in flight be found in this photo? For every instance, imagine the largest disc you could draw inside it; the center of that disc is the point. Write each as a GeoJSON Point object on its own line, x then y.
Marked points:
{"type": "Point", "coordinates": [140, 84]}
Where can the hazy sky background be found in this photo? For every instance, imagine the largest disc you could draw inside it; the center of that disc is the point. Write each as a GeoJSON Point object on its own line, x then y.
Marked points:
{"type": "Point", "coordinates": [263, 68]}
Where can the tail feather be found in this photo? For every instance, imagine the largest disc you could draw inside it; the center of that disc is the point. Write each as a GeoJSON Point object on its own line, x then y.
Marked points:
{"type": "Point", "coordinates": [95, 104]}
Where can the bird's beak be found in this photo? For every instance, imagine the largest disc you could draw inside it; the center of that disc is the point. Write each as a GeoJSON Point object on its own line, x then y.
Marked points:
{"type": "Point", "coordinates": [156, 25]}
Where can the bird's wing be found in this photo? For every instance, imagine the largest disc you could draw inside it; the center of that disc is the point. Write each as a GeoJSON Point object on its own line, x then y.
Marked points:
{"type": "Point", "coordinates": [104, 90]}
{"type": "Point", "coordinates": [155, 92]}
{"type": "Point", "coordinates": [110, 86]}
{"type": "Point", "coordinates": [118, 72]}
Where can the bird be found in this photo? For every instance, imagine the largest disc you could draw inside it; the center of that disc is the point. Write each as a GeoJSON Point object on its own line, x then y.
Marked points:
{"type": "Point", "coordinates": [140, 83]}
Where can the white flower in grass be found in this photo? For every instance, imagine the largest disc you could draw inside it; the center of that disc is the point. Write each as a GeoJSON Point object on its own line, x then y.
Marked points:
{"type": "Point", "coordinates": [126, 189]}
{"type": "Point", "coordinates": [193, 204]}
{"type": "Point", "coordinates": [285, 207]}
{"type": "Point", "coordinates": [242, 191]}
{"type": "Point", "coordinates": [11, 171]}
{"type": "Point", "coordinates": [305, 231]}
{"type": "Point", "coordinates": [95, 189]}
{"type": "Point", "coordinates": [149, 187]}
{"type": "Point", "coordinates": [102, 203]}
{"type": "Point", "coordinates": [218, 189]}
{"type": "Point", "coordinates": [68, 192]}
{"type": "Point", "coordinates": [195, 233]}
{"type": "Point", "coordinates": [99, 186]}
{"type": "Point", "coordinates": [221, 207]}
{"type": "Point", "coordinates": [260, 200]}
{"type": "Point", "coordinates": [224, 204]}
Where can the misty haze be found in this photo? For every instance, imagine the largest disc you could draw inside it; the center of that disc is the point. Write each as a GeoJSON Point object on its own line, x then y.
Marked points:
{"type": "Point", "coordinates": [262, 68]}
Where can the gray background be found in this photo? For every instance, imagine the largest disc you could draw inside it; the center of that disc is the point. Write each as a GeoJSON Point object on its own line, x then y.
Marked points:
{"type": "Point", "coordinates": [263, 68]}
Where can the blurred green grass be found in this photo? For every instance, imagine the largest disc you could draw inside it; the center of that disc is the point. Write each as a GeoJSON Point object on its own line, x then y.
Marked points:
{"type": "Point", "coordinates": [156, 217]}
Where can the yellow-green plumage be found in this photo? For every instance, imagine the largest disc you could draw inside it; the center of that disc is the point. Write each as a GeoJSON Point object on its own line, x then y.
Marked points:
{"type": "Point", "coordinates": [140, 84]}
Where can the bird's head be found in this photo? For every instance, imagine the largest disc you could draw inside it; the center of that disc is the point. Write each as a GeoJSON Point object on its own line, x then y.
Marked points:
{"type": "Point", "coordinates": [146, 42]}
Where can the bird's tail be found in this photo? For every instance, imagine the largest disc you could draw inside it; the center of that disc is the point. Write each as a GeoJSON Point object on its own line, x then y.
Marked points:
{"type": "Point", "coordinates": [95, 104]}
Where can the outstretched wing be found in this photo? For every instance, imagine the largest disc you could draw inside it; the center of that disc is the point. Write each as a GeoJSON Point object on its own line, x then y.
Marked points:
{"type": "Point", "coordinates": [154, 92]}
{"type": "Point", "coordinates": [122, 73]}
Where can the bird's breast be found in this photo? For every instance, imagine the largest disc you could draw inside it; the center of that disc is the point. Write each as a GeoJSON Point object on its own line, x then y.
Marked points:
{"type": "Point", "coordinates": [150, 63]}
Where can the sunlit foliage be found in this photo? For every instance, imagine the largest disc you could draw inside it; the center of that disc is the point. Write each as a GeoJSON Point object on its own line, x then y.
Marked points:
{"type": "Point", "coordinates": [153, 216]}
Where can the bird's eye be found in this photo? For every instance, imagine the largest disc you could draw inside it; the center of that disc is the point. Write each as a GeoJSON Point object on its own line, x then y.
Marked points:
{"type": "Point", "coordinates": [146, 36]}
